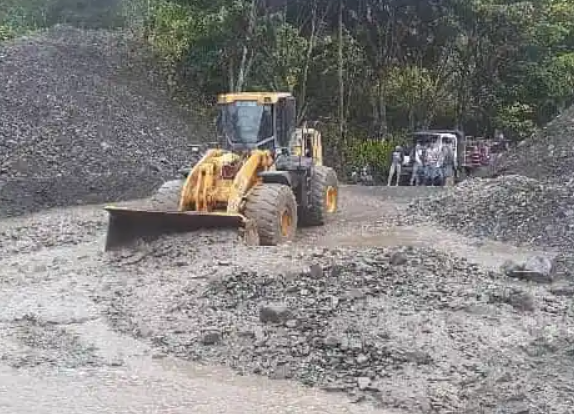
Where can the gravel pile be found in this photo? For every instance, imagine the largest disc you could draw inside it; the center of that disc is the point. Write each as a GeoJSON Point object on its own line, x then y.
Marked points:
{"type": "Point", "coordinates": [404, 328]}
{"type": "Point", "coordinates": [530, 202]}
{"type": "Point", "coordinates": [83, 120]}
{"type": "Point", "coordinates": [547, 154]}
{"type": "Point", "coordinates": [513, 209]}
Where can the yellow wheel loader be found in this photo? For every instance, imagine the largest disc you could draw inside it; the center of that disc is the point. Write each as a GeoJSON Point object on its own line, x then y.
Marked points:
{"type": "Point", "coordinates": [264, 178]}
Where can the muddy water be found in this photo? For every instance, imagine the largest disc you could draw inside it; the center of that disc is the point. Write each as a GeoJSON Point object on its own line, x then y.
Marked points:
{"type": "Point", "coordinates": [59, 355]}
{"type": "Point", "coordinates": [364, 222]}
{"type": "Point", "coordinates": [489, 254]}
{"type": "Point", "coordinates": [145, 385]}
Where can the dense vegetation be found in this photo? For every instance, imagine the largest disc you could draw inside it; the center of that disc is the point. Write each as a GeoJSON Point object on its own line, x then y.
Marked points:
{"type": "Point", "coordinates": [361, 67]}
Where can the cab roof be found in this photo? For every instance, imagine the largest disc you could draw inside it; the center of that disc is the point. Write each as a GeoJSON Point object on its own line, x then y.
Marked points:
{"type": "Point", "coordinates": [260, 97]}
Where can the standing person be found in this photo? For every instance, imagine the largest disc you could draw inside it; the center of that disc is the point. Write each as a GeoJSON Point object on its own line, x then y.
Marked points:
{"type": "Point", "coordinates": [397, 158]}
{"type": "Point", "coordinates": [434, 164]}
{"type": "Point", "coordinates": [484, 153]}
{"type": "Point", "coordinates": [448, 165]}
{"type": "Point", "coordinates": [475, 157]}
{"type": "Point", "coordinates": [499, 136]}
{"type": "Point", "coordinates": [423, 173]}
{"type": "Point", "coordinates": [417, 164]}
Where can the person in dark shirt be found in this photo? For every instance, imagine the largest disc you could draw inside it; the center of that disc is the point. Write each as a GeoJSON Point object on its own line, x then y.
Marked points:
{"type": "Point", "coordinates": [448, 165]}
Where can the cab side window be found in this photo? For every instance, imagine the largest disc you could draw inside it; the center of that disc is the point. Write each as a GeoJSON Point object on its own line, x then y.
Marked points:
{"type": "Point", "coordinates": [308, 145]}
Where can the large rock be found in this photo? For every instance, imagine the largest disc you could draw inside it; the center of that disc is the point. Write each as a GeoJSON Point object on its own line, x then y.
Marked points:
{"type": "Point", "coordinates": [535, 269]}
{"type": "Point", "coordinates": [275, 313]}
{"type": "Point", "coordinates": [539, 269]}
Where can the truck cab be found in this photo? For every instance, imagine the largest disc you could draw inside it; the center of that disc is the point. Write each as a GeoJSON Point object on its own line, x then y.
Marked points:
{"type": "Point", "coordinates": [429, 138]}
{"type": "Point", "coordinates": [441, 138]}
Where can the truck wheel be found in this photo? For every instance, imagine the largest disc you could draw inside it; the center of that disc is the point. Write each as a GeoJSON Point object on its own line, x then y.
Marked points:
{"type": "Point", "coordinates": [273, 207]}
{"type": "Point", "coordinates": [166, 198]}
{"type": "Point", "coordinates": [324, 196]}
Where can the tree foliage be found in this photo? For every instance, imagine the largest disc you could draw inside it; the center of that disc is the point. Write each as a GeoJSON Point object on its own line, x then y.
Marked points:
{"type": "Point", "coordinates": [374, 67]}
{"type": "Point", "coordinates": [477, 64]}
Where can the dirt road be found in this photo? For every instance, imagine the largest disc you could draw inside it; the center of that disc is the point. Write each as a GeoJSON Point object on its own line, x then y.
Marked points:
{"type": "Point", "coordinates": [370, 215]}
{"type": "Point", "coordinates": [79, 330]}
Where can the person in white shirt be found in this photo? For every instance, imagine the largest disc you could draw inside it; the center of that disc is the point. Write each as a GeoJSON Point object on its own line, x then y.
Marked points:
{"type": "Point", "coordinates": [417, 164]}
{"type": "Point", "coordinates": [434, 166]}
{"type": "Point", "coordinates": [397, 158]}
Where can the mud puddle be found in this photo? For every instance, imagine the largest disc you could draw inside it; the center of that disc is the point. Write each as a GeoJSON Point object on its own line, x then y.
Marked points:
{"type": "Point", "coordinates": [487, 253]}
{"type": "Point", "coordinates": [132, 380]}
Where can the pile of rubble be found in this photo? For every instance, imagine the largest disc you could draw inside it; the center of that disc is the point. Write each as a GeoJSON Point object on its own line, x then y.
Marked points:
{"type": "Point", "coordinates": [529, 202]}
{"type": "Point", "coordinates": [406, 328]}
{"type": "Point", "coordinates": [84, 120]}
{"type": "Point", "coordinates": [512, 208]}
{"type": "Point", "coordinates": [548, 154]}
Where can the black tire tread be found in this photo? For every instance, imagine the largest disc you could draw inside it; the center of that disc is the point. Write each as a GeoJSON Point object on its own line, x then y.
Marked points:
{"type": "Point", "coordinates": [263, 206]}
{"type": "Point", "coordinates": [322, 178]}
{"type": "Point", "coordinates": [166, 198]}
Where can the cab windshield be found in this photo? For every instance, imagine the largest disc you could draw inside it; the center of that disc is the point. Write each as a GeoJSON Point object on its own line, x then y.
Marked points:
{"type": "Point", "coordinates": [245, 122]}
{"type": "Point", "coordinates": [426, 140]}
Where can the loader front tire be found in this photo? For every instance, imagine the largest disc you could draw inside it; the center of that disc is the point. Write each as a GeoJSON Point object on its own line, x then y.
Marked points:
{"type": "Point", "coordinates": [324, 196]}
{"type": "Point", "coordinates": [166, 198]}
{"type": "Point", "coordinates": [273, 208]}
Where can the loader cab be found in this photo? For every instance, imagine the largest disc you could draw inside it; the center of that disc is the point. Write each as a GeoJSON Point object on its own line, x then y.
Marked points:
{"type": "Point", "coordinates": [247, 121]}
{"type": "Point", "coordinates": [307, 142]}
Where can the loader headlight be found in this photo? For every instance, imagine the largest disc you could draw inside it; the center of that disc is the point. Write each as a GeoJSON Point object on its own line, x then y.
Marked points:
{"type": "Point", "coordinates": [195, 149]}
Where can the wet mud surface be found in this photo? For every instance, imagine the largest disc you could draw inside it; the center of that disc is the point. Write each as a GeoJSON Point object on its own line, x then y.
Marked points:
{"type": "Point", "coordinates": [373, 313]}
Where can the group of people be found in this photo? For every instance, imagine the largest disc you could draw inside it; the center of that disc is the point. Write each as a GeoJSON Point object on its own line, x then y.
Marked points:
{"type": "Point", "coordinates": [433, 164]}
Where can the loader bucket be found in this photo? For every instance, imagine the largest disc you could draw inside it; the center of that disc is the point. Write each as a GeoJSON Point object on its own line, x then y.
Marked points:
{"type": "Point", "coordinates": [127, 226]}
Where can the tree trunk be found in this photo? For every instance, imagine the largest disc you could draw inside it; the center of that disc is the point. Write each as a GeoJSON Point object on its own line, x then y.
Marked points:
{"type": "Point", "coordinates": [303, 93]}
{"type": "Point", "coordinates": [411, 119]}
{"type": "Point", "coordinates": [340, 76]}
{"type": "Point", "coordinates": [246, 56]}
{"type": "Point", "coordinates": [231, 76]}
{"type": "Point", "coordinates": [241, 74]}
{"type": "Point", "coordinates": [382, 105]}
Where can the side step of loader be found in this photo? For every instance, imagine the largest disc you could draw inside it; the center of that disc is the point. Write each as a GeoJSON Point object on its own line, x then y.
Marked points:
{"type": "Point", "coordinates": [127, 226]}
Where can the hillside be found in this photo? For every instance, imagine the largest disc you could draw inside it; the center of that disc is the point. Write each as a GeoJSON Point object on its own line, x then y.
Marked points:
{"type": "Point", "coordinates": [84, 119]}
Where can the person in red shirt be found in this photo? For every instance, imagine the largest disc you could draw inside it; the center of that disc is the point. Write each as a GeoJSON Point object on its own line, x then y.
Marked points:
{"type": "Point", "coordinates": [475, 157]}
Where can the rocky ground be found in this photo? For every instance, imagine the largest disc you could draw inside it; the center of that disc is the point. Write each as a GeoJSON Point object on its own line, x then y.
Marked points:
{"type": "Point", "coordinates": [513, 209]}
{"type": "Point", "coordinates": [528, 203]}
{"type": "Point", "coordinates": [84, 120]}
{"type": "Point", "coordinates": [413, 329]}
{"type": "Point", "coordinates": [410, 329]}
{"type": "Point", "coordinates": [548, 154]}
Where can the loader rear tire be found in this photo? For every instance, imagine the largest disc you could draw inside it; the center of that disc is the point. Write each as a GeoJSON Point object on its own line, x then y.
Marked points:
{"type": "Point", "coordinates": [324, 196]}
{"type": "Point", "coordinates": [166, 198]}
{"type": "Point", "coordinates": [273, 208]}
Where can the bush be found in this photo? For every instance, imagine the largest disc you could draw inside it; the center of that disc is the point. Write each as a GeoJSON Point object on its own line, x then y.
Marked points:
{"type": "Point", "coordinates": [6, 33]}
{"type": "Point", "coordinates": [375, 153]}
